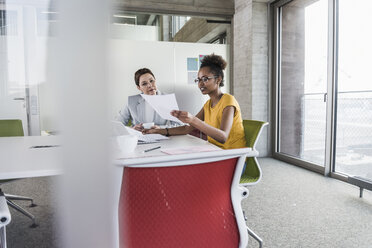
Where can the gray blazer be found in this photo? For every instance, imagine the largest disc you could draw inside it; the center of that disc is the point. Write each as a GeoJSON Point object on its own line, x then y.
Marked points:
{"type": "Point", "coordinates": [135, 111]}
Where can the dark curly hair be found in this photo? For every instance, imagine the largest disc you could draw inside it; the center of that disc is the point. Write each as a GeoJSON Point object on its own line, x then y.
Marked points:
{"type": "Point", "coordinates": [141, 72]}
{"type": "Point", "coordinates": [216, 65]}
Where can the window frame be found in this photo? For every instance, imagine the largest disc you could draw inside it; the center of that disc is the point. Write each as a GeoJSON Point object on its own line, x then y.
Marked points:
{"type": "Point", "coordinates": [331, 108]}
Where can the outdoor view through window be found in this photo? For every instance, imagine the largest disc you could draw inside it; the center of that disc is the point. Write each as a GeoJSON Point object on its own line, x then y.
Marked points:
{"type": "Point", "coordinates": [354, 96]}
{"type": "Point", "coordinates": [303, 85]}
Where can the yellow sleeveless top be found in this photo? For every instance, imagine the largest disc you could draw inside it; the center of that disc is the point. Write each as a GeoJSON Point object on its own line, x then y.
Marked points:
{"type": "Point", "coordinates": [213, 116]}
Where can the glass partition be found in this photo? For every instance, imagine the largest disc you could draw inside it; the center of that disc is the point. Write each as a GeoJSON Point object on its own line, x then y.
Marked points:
{"type": "Point", "coordinates": [27, 28]}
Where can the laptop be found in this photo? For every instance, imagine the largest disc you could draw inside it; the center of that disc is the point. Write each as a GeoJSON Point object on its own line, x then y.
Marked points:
{"type": "Point", "coordinates": [118, 128]}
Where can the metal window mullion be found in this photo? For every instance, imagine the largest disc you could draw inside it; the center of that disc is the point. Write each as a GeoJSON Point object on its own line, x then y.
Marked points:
{"type": "Point", "coordinates": [331, 87]}
{"type": "Point", "coordinates": [278, 75]}
{"type": "Point", "coordinates": [276, 36]}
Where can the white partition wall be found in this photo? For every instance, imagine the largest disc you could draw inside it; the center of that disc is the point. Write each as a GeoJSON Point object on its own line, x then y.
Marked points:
{"type": "Point", "coordinates": [168, 62]}
{"type": "Point", "coordinates": [126, 57]}
{"type": "Point", "coordinates": [134, 32]}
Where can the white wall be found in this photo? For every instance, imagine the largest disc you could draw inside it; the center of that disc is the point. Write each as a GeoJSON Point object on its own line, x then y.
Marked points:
{"type": "Point", "coordinates": [134, 32]}
{"type": "Point", "coordinates": [168, 62]}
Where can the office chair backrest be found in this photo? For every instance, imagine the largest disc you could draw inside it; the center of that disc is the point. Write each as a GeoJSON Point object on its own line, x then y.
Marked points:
{"type": "Point", "coordinates": [10, 128]}
{"type": "Point", "coordinates": [252, 130]}
{"type": "Point", "coordinates": [181, 206]}
{"type": "Point", "coordinates": [252, 172]}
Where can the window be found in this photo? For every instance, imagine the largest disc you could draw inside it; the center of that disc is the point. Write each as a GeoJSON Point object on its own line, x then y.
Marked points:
{"type": "Point", "coordinates": [323, 98]}
{"type": "Point", "coordinates": [354, 91]}
{"type": "Point", "coordinates": [178, 22]}
{"type": "Point", "coordinates": [303, 84]}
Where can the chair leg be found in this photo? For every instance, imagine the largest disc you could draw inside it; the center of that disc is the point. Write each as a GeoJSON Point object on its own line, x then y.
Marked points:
{"type": "Point", "coordinates": [19, 197]}
{"type": "Point", "coordinates": [20, 209]}
{"type": "Point", "coordinates": [2, 237]}
{"type": "Point", "coordinates": [255, 236]}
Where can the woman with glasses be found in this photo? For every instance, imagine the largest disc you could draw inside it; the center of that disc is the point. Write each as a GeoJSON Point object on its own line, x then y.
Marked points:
{"type": "Point", "coordinates": [138, 111]}
{"type": "Point", "coordinates": [220, 118]}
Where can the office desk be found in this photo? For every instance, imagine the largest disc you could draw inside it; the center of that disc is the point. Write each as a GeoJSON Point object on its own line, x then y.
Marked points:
{"type": "Point", "coordinates": [161, 195]}
{"type": "Point", "coordinates": [141, 158]}
{"type": "Point", "coordinates": [18, 160]}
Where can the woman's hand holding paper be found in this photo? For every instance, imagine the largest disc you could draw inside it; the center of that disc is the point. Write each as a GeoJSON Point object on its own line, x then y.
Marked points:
{"type": "Point", "coordinates": [183, 116]}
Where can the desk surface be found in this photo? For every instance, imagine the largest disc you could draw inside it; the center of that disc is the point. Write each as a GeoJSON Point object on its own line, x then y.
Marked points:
{"type": "Point", "coordinates": [18, 160]}
{"type": "Point", "coordinates": [140, 158]}
{"type": "Point", "coordinates": [172, 142]}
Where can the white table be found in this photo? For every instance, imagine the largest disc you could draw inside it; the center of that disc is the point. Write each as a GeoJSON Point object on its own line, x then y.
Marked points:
{"type": "Point", "coordinates": [173, 142]}
{"type": "Point", "coordinates": [18, 160]}
{"type": "Point", "coordinates": [139, 158]}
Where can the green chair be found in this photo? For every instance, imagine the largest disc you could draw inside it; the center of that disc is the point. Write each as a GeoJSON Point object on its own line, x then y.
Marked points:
{"type": "Point", "coordinates": [11, 128]}
{"type": "Point", "coordinates": [252, 173]}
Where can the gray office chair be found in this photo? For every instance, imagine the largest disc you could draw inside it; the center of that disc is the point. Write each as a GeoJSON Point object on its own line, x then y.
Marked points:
{"type": "Point", "coordinates": [9, 128]}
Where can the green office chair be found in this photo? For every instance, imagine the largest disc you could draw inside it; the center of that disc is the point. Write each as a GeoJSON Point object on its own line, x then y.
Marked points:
{"type": "Point", "coordinates": [10, 128]}
{"type": "Point", "coordinates": [252, 171]}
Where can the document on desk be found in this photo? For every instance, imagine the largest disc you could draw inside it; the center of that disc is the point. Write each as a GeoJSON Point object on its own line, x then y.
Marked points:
{"type": "Point", "coordinates": [163, 105]}
{"type": "Point", "coordinates": [150, 138]}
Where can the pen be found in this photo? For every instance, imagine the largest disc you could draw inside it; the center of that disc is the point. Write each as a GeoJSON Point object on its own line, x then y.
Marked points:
{"type": "Point", "coordinates": [45, 146]}
{"type": "Point", "coordinates": [151, 149]}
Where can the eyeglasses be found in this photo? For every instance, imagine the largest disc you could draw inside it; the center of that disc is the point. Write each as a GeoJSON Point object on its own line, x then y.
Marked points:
{"type": "Point", "coordinates": [204, 79]}
{"type": "Point", "coordinates": [147, 84]}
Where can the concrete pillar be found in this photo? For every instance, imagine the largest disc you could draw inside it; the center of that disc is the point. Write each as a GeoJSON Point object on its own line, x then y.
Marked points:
{"type": "Point", "coordinates": [260, 72]}
{"type": "Point", "coordinates": [250, 63]}
{"type": "Point", "coordinates": [242, 56]}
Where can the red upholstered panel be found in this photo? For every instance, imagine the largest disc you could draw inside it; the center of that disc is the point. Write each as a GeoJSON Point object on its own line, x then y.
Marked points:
{"type": "Point", "coordinates": [183, 206]}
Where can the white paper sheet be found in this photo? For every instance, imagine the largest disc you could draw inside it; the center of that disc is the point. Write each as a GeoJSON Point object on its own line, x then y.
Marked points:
{"type": "Point", "coordinates": [147, 137]}
{"type": "Point", "coordinates": [163, 105]}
